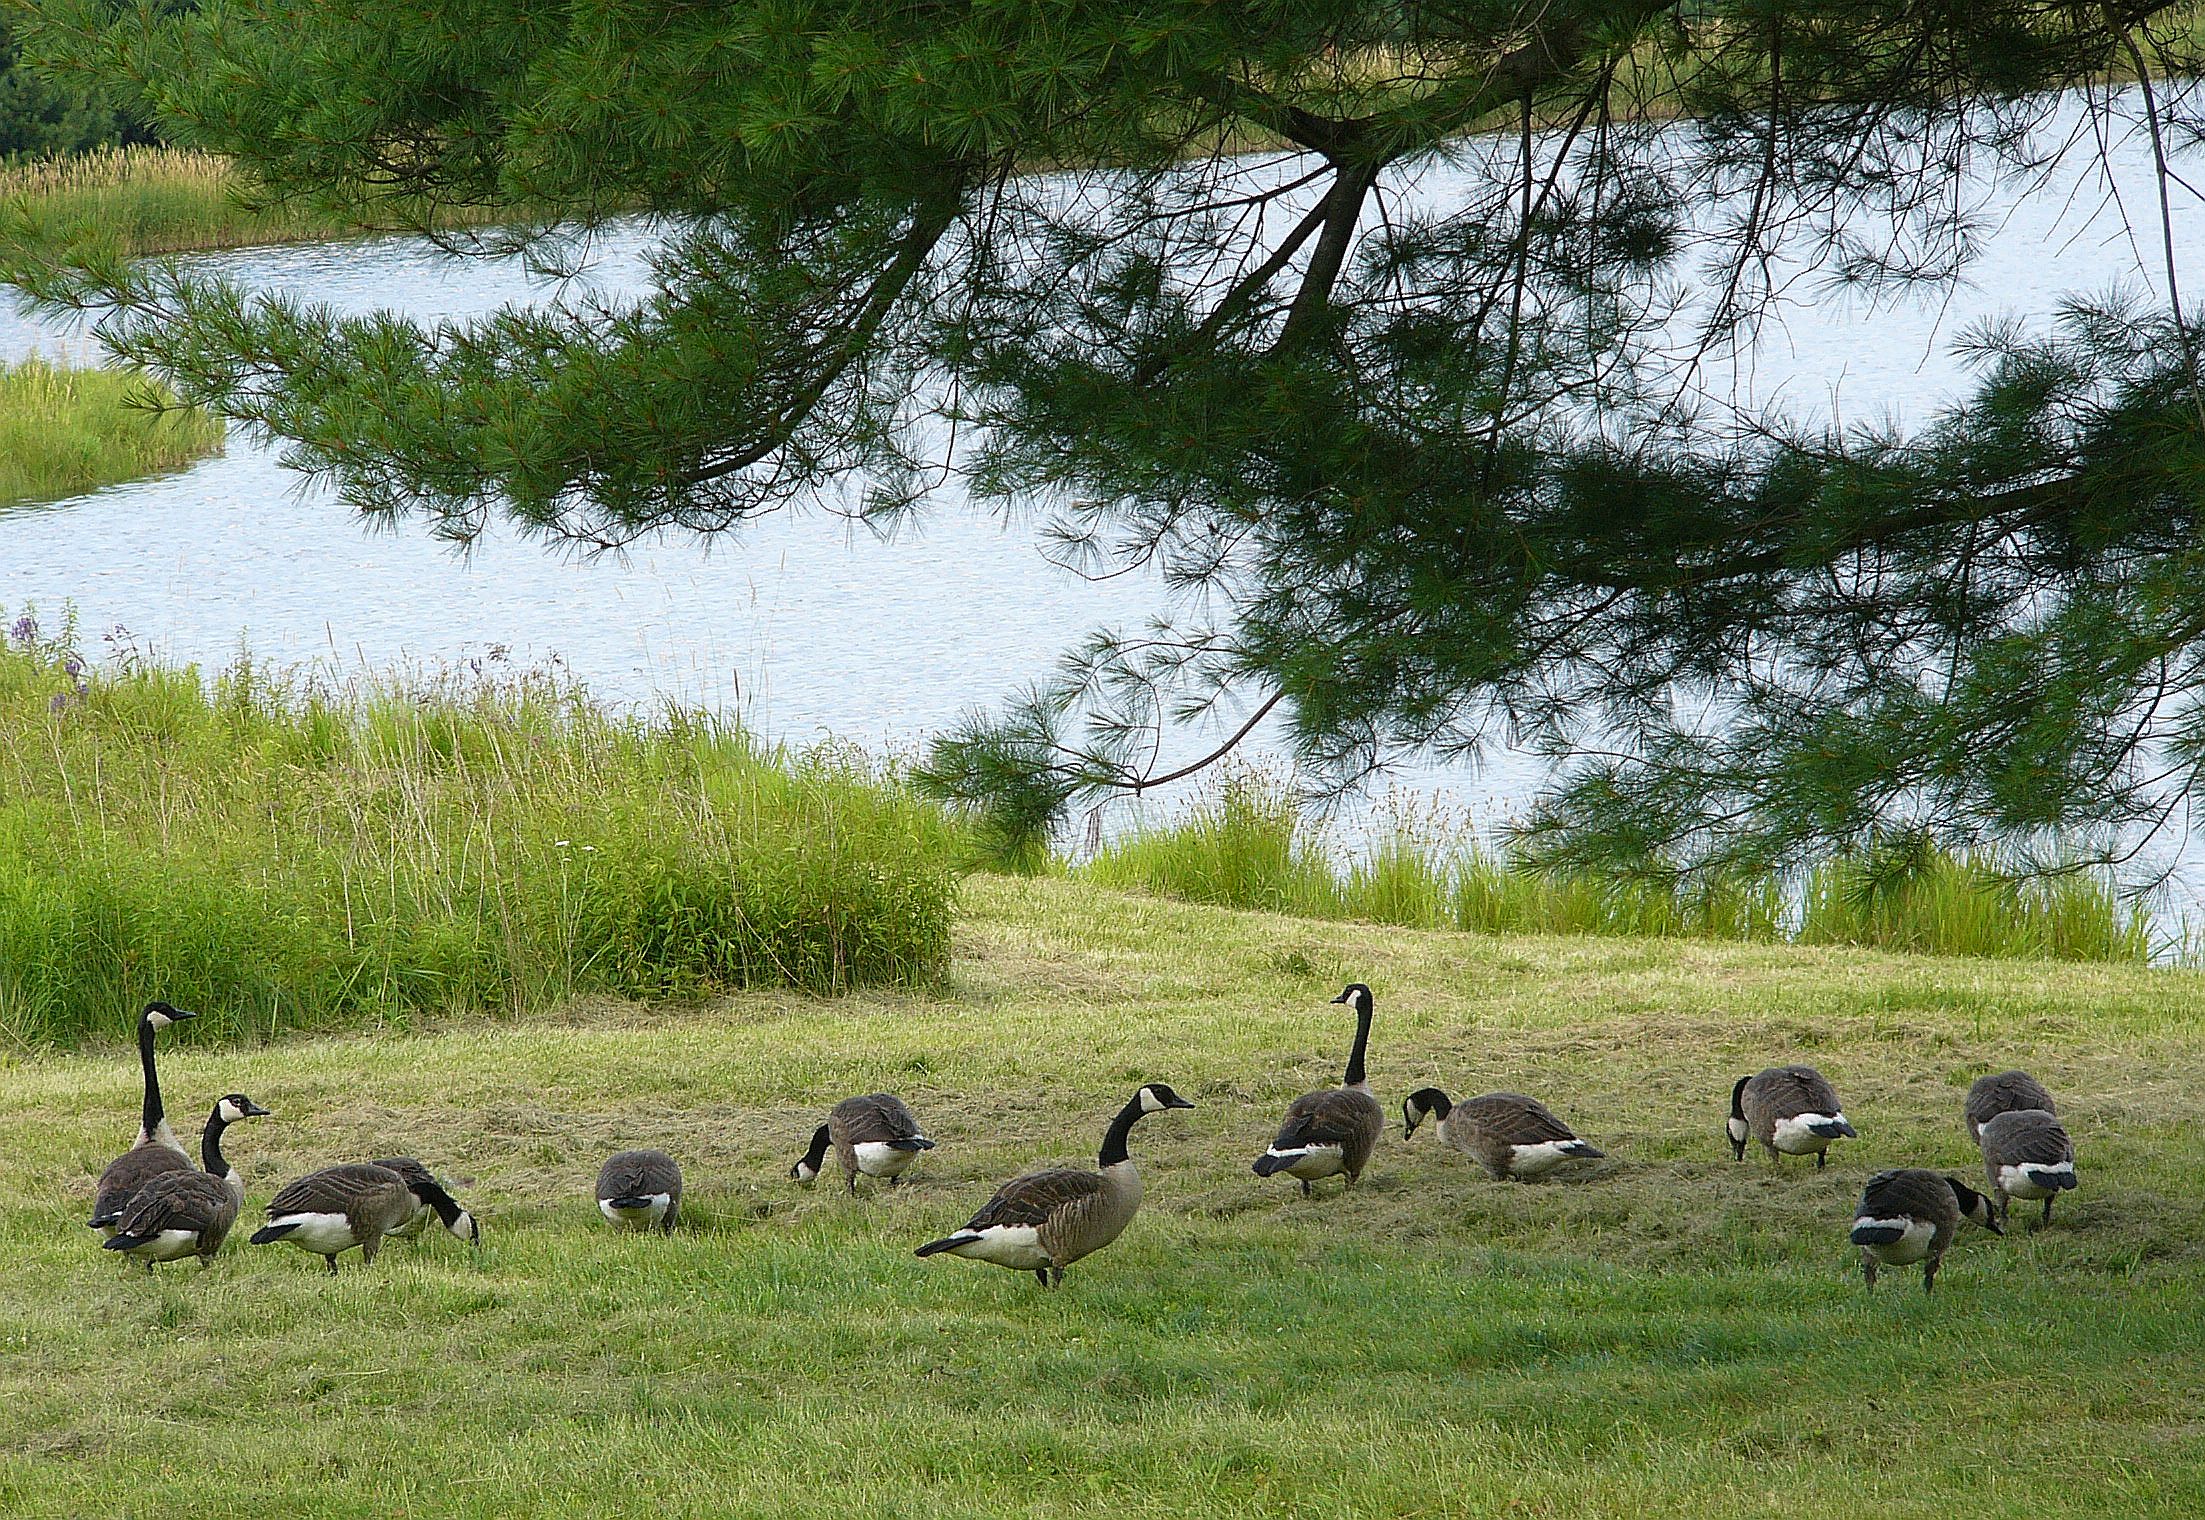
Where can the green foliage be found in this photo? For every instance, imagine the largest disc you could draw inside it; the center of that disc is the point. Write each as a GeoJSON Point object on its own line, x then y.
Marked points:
{"type": "Point", "coordinates": [64, 431]}
{"type": "Point", "coordinates": [1246, 845]}
{"type": "Point", "coordinates": [1411, 406]}
{"type": "Point", "coordinates": [283, 855]}
{"type": "Point", "coordinates": [39, 117]}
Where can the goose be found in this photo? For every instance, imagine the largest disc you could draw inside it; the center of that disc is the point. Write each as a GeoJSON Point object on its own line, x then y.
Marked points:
{"type": "Point", "coordinates": [2002, 1093]}
{"type": "Point", "coordinates": [875, 1135]}
{"type": "Point", "coordinates": [156, 1149]}
{"type": "Point", "coordinates": [1909, 1215]}
{"type": "Point", "coordinates": [330, 1211]}
{"type": "Point", "coordinates": [431, 1200]}
{"type": "Point", "coordinates": [2027, 1154]}
{"type": "Point", "coordinates": [640, 1190]}
{"type": "Point", "coordinates": [188, 1213]}
{"type": "Point", "coordinates": [1044, 1221]}
{"type": "Point", "coordinates": [1331, 1132]}
{"type": "Point", "coordinates": [1793, 1110]}
{"type": "Point", "coordinates": [1513, 1137]}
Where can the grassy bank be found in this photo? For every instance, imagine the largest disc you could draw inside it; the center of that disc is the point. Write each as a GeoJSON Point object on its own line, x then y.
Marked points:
{"type": "Point", "coordinates": [158, 200]}
{"type": "Point", "coordinates": [1669, 1335]}
{"type": "Point", "coordinates": [64, 431]}
{"type": "Point", "coordinates": [1246, 845]}
{"type": "Point", "coordinates": [295, 856]}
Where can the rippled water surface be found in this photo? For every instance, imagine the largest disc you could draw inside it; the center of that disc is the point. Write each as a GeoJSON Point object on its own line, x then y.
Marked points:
{"type": "Point", "coordinates": [808, 626]}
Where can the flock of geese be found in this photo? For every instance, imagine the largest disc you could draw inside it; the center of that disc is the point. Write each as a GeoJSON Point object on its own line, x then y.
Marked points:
{"type": "Point", "coordinates": [154, 1205]}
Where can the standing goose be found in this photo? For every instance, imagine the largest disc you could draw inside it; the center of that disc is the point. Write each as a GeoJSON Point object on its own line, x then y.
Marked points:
{"type": "Point", "coordinates": [1332, 1131]}
{"type": "Point", "coordinates": [430, 1201]}
{"type": "Point", "coordinates": [2002, 1093]}
{"type": "Point", "coordinates": [1793, 1110]}
{"type": "Point", "coordinates": [330, 1211]}
{"type": "Point", "coordinates": [187, 1213]}
{"type": "Point", "coordinates": [1044, 1221]}
{"type": "Point", "coordinates": [1909, 1216]}
{"type": "Point", "coordinates": [2027, 1154]}
{"type": "Point", "coordinates": [641, 1190]}
{"type": "Point", "coordinates": [156, 1149]}
{"type": "Point", "coordinates": [1513, 1137]}
{"type": "Point", "coordinates": [875, 1135]}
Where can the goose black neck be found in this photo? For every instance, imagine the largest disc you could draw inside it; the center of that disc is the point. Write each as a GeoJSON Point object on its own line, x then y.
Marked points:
{"type": "Point", "coordinates": [446, 1206]}
{"type": "Point", "coordinates": [1113, 1146]}
{"type": "Point", "coordinates": [1354, 1077]}
{"type": "Point", "coordinates": [1738, 1098]}
{"type": "Point", "coordinates": [151, 1117]}
{"type": "Point", "coordinates": [816, 1157]}
{"type": "Point", "coordinates": [210, 1144]}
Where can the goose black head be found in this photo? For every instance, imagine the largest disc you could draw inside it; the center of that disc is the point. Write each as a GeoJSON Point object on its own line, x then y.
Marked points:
{"type": "Point", "coordinates": [1155, 1097]}
{"type": "Point", "coordinates": [160, 1015]}
{"type": "Point", "coordinates": [808, 1166]}
{"type": "Point", "coordinates": [1735, 1125]}
{"type": "Point", "coordinates": [1356, 996]}
{"type": "Point", "coordinates": [1424, 1103]}
{"type": "Point", "coordinates": [236, 1106]}
{"type": "Point", "coordinates": [1974, 1205]}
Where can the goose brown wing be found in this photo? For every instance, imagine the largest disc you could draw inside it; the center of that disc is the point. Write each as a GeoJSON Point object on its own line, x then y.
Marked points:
{"type": "Point", "coordinates": [337, 1190]}
{"type": "Point", "coordinates": [188, 1200]}
{"type": "Point", "coordinates": [1515, 1119]}
{"type": "Point", "coordinates": [873, 1118]}
{"type": "Point", "coordinates": [1908, 1192]}
{"type": "Point", "coordinates": [1336, 1116]}
{"type": "Point", "coordinates": [1031, 1199]}
{"type": "Point", "coordinates": [2021, 1136]}
{"type": "Point", "coordinates": [2003, 1093]}
{"type": "Point", "coordinates": [638, 1174]}
{"type": "Point", "coordinates": [1788, 1090]}
{"type": "Point", "coordinates": [410, 1171]}
{"type": "Point", "coordinates": [132, 1170]}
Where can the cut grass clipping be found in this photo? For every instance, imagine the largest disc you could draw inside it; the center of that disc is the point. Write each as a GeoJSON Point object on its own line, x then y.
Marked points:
{"type": "Point", "coordinates": [1664, 1333]}
{"type": "Point", "coordinates": [292, 856]}
{"type": "Point", "coordinates": [1246, 845]}
{"type": "Point", "coordinates": [64, 431]}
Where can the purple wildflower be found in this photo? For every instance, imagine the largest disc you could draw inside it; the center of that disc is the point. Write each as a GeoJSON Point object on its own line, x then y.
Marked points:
{"type": "Point", "coordinates": [72, 666]}
{"type": "Point", "coordinates": [60, 701]}
{"type": "Point", "coordinates": [25, 630]}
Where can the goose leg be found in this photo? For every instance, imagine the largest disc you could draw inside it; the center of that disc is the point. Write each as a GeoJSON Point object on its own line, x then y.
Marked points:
{"type": "Point", "coordinates": [1041, 1275]}
{"type": "Point", "coordinates": [2047, 1211]}
{"type": "Point", "coordinates": [1822, 1159]}
{"type": "Point", "coordinates": [332, 1265]}
{"type": "Point", "coordinates": [1307, 1190]}
{"type": "Point", "coordinates": [850, 1183]}
{"type": "Point", "coordinates": [1056, 1277]}
{"type": "Point", "coordinates": [1929, 1275]}
{"type": "Point", "coordinates": [1868, 1269]}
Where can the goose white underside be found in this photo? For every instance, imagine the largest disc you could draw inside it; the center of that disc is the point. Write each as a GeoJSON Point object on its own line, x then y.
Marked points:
{"type": "Point", "coordinates": [650, 1215]}
{"type": "Point", "coordinates": [1910, 1247]}
{"type": "Point", "coordinates": [2019, 1184]}
{"type": "Point", "coordinates": [1017, 1246]}
{"type": "Point", "coordinates": [1796, 1137]}
{"type": "Point", "coordinates": [169, 1245]}
{"type": "Point", "coordinates": [1538, 1160]}
{"type": "Point", "coordinates": [322, 1234]}
{"type": "Point", "coordinates": [1310, 1162]}
{"type": "Point", "coordinates": [877, 1158]}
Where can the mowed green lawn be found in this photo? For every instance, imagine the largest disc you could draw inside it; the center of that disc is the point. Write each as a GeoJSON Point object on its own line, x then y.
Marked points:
{"type": "Point", "coordinates": [1667, 1334]}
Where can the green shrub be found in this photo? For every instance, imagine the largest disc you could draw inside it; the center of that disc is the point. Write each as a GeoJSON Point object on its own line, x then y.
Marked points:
{"type": "Point", "coordinates": [66, 431]}
{"type": "Point", "coordinates": [283, 855]}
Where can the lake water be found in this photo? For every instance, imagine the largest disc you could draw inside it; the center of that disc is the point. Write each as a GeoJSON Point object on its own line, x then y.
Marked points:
{"type": "Point", "coordinates": [809, 626]}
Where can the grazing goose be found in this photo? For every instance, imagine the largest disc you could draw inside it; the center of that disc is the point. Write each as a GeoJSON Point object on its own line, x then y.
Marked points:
{"type": "Point", "coordinates": [1331, 1132]}
{"type": "Point", "coordinates": [1513, 1137]}
{"type": "Point", "coordinates": [875, 1135]}
{"type": "Point", "coordinates": [330, 1211]}
{"type": "Point", "coordinates": [1044, 1221]}
{"type": "Point", "coordinates": [1793, 1110]}
{"type": "Point", "coordinates": [156, 1149]}
{"type": "Point", "coordinates": [2002, 1093]}
{"type": "Point", "coordinates": [2027, 1154]}
{"type": "Point", "coordinates": [430, 1201]}
{"type": "Point", "coordinates": [187, 1213]}
{"type": "Point", "coordinates": [1909, 1216]}
{"type": "Point", "coordinates": [641, 1190]}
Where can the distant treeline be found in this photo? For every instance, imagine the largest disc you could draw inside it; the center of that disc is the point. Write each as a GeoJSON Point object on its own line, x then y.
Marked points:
{"type": "Point", "coordinates": [41, 119]}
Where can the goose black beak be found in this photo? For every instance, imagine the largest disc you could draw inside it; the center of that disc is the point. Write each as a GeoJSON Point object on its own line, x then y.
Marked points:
{"type": "Point", "coordinates": [1343, 997]}
{"type": "Point", "coordinates": [255, 1111]}
{"type": "Point", "coordinates": [1178, 1102]}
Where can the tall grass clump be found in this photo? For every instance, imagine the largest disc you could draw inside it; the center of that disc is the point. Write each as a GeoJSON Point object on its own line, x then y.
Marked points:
{"type": "Point", "coordinates": [1240, 846]}
{"type": "Point", "coordinates": [158, 199]}
{"type": "Point", "coordinates": [65, 430]}
{"type": "Point", "coordinates": [1939, 903]}
{"type": "Point", "coordinates": [285, 854]}
{"type": "Point", "coordinates": [1246, 845]}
